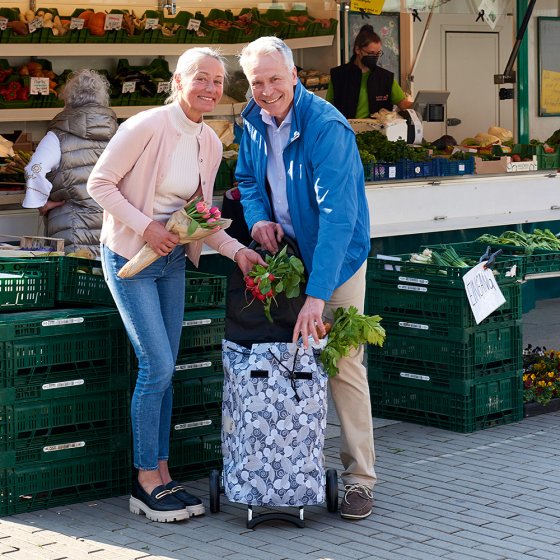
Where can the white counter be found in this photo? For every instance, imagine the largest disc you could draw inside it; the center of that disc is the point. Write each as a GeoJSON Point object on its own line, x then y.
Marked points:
{"type": "Point", "coordinates": [455, 203]}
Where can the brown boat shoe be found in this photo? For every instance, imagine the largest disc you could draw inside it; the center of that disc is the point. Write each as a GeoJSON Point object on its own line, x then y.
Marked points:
{"type": "Point", "coordinates": [357, 502]}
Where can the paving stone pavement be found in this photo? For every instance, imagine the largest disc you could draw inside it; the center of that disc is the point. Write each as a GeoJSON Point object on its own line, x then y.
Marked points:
{"type": "Point", "coordinates": [490, 495]}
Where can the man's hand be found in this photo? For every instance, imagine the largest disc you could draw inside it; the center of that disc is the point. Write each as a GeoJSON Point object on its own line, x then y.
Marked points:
{"type": "Point", "coordinates": [309, 321]}
{"type": "Point", "coordinates": [247, 258]}
{"type": "Point", "coordinates": [49, 205]}
{"type": "Point", "coordinates": [268, 234]}
{"type": "Point", "coordinates": [159, 239]}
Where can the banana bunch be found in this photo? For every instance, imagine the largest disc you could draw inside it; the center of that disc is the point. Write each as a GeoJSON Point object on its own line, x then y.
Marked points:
{"type": "Point", "coordinates": [17, 162]}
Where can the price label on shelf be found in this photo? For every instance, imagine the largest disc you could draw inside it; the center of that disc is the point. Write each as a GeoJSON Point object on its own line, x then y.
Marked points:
{"type": "Point", "coordinates": [39, 86]}
{"type": "Point", "coordinates": [35, 23]}
{"type": "Point", "coordinates": [368, 6]}
{"type": "Point", "coordinates": [113, 22]}
{"type": "Point", "coordinates": [77, 23]}
{"type": "Point", "coordinates": [193, 24]}
{"type": "Point", "coordinates": [3, 23]}
{"type": "Point", "coordinates": [152, 23]}
{"type": "Point", "coordinates": [128, 87]}
{"type": "Point", "coordinates": [163, 87]}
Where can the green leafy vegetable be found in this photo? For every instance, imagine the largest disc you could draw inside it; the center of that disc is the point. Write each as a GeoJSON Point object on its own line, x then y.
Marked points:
{"type": "Point", "coordinates": [348, 331]}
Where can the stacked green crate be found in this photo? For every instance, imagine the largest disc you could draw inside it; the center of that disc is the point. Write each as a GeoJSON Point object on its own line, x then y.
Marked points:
{"type": "Point", "coordinates": [64, 408]}
{"type": "Point", "coordinates": [437, 366]}
{"type": "Point", "coordinates": [195, 446]}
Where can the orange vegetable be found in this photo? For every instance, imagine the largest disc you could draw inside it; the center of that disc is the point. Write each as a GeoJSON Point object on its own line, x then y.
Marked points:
{"type": "Point", "coordinates": [96, 24]}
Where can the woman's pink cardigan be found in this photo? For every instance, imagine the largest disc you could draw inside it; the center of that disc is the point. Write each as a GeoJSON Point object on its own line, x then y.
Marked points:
{"type": "Point", "coordinates": [126, 176]}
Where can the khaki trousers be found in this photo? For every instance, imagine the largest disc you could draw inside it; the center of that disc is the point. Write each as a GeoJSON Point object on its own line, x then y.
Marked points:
{"type": "Point", "coordinates": [350, 393]}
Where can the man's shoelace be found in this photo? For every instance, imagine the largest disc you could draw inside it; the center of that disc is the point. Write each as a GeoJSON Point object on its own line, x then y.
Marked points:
{"type": "Point", "coordinates": [358, 489]}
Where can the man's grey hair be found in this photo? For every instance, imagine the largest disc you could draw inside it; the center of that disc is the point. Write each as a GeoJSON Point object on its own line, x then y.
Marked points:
{"type": "Point", "coordinates": [86, 86]}
{"type": "Point", "coordinates": [266, 45]}
{"type": "Point", "coordinates": [188, 64]}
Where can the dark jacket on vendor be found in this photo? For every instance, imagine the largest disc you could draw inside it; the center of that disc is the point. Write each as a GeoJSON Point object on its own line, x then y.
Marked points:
{"type": "Point", "coordinates": [346, 81]}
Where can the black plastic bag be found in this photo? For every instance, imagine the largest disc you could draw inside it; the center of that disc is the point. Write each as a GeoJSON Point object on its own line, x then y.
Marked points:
{"type": "Point", "coordinates": [246, 323]}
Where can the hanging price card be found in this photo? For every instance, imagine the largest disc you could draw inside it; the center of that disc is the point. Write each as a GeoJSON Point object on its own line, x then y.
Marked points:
{"type": "Point", "coordinates": [193, 24]}
{"type": "Point", "coordinates": [151, 23]}
{"type": "Point", "coordinates": [77, 23]}
{"type": "Point", "coordinates": [128, 87]}
{"type": "Point", "coordinates": [113, 22]}
{"type": "Point", "coordinates": [39, 86]}
{"type": "Point", "coordinates": [483, 292]}
{"type": "Point", "coordinates": [368, 6]}
{"type": "Point", "coordinates": [35, 23]}
{"type": "Point", "coordinates": [163, 87]}
{"type": "Point", "coordinates": [3, 23]}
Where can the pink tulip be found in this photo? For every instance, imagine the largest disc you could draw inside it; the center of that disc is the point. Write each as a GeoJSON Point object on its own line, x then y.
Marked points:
{"type": "Point", "coordinates": [207, 215]}
{"type": "Point", "coordinates": [201, 207]}
{"type": "Point", "coordinates": [214, 209]}
{"type": "Point", "coordinates": [217, 215]}
{"type": "Point", "coordinates": [211, 220]}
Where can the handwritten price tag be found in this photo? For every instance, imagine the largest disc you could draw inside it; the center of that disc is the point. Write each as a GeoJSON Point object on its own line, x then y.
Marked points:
{"type": "Point", "coordinates": [113, 22]}
{"type": "Point", "coordinates": [163, 87]}
{"type": "Point", "coordinates": [39, 86]}
{"type": "Point", "coordinates": [152, 23]}
{"type": "Point", "coordinates": [193, 24]}
{"type": "Point", "coordinates": [35, 23]}
{"type": "Point", "coordinates": [77, 23]}
{"type": "Point", "coordinates": [128, 87]}
{"type": "Point", "coordinates": [3, 23]}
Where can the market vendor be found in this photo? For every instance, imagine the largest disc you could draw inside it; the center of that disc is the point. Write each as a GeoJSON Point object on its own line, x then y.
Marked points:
{"type": "Point", "coordinates": [361, 87]}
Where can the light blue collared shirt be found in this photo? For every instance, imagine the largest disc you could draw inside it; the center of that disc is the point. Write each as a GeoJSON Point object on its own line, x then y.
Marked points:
{"type": "Point", "coordinates": [277, 138]}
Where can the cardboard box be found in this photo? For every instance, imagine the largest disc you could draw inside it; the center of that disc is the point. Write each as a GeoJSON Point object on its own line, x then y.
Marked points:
{"type": "Point", "coordinates": [503, 165]}
{"type": "Point", "coordinates": [23, 142]}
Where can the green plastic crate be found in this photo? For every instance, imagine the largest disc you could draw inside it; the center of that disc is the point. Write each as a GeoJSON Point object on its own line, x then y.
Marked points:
{"type": "Point", "coordinates": [490, 402]}
{"type": "Point", "coordinates": [204, 290]}
{"type": "Point", "coordinates": [35, 487]}
{"type": "Point", "coordinates": [196, 450]}
{"type": "Point", "coordinates": [189, 424]}
{"type": "Point", "coordinates": [26, 284]}
{"type": "Point", "coordinates": [202, 330]}
{"type": "Point", "coordinates": [544, 160]}
{"type": "Point", "coordinates": [199, 364]}
{"type": "Point", "coordinates": [482, 351]}
{"type": "Point", "coordinates": [59, 420]}
{"type": "Point", "coordinates": [435, 311]}
{"type": "Point", "coordinates": [420, 276]}
{"type": "Point", "coordinates": [202, 393]}
{"type": "Point", "coordinates": [81, 281]}
{"type": "Point", "coordinates": [539, 260]}
{"type": "Point", "coordinates": [67, 322]}
{"type": "Point", "coordinates": [195, 471]}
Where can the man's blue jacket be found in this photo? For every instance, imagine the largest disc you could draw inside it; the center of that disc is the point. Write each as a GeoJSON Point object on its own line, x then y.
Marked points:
{"type": "Point", "coordinates": [325, 188]}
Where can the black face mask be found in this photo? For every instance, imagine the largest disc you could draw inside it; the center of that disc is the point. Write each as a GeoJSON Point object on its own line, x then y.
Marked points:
{"type": "Point", "coordinates": [370, 61]}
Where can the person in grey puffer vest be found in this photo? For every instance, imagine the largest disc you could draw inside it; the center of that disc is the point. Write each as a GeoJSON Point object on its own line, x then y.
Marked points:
{"type": "Point", "coordinates": [57, 173]}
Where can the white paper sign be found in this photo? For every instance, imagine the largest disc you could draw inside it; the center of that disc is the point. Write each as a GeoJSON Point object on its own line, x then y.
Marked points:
{"type": "Point", "coordinates": [39, 86]}
{"type": "Point", "coordinates": [35, 23]}
{"type": "Point", "coordinates": [3, 23]}
{"type": "Point", "coordinates": [77, 23]}
{"type": "Point", "coordinates": [163, 87]}
{"type": "Point", "coordinates": [491, 10]}
{"type": "Point", "coordinates": [113, 22]}
{"type": "Point", "coordinates": [152, 23]}
{"type": "Point", "coordinates": [483, 292]}
{"type": "Point", "coordinates": [193, 24]}
{"type": "Point", "coordinates": [128, 87]}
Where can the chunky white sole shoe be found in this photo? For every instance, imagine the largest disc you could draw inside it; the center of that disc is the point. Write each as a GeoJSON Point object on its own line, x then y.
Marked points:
{"type": "Point", "coordinates": [138, 507]}
{"type": "Point", "coordinates": [194, 511]}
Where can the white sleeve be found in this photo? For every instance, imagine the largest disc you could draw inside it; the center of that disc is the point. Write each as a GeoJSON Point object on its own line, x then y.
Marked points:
{"type": "Point", "coordinates": [46, 158]}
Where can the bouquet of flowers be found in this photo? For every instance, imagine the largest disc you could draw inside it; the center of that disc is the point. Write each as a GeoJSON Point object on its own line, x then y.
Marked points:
{"type": "Point", "coordinates": [541, 374]}
{"type": "Point", "coordinates": [284, 273]}
{"type": "Point", "coordinates": [192, 223]}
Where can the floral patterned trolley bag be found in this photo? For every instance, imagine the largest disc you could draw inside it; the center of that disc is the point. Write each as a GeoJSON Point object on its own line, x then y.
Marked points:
{"type": "Point", "coordinates": [274, 416]}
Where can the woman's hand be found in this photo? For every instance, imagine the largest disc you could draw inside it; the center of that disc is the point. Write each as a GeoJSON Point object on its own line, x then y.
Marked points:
{"type": "Point", "coordinates": [159, 239]}
{"type": "Point", "coordinates": [49, 205]}
{"type": "Point", "coordinates": [247, 258]}
{"type": "Point", "coordinates": [309, 321]}
{"type": "Point", "coordinates": [267, 235]}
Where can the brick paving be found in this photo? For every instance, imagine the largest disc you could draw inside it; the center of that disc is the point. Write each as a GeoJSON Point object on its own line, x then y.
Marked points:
{"type": "Point", "coordinates": [490, 495]}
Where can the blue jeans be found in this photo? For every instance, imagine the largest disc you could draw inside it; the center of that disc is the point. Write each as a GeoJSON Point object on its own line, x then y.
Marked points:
{"type": "Point", "coordinates": [151, 305]}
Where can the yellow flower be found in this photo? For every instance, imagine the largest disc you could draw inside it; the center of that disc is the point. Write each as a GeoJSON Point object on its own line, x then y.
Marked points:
{"type": "Point", "coordinates": [550, 374]}
{"type": "Point", "coordinates": [541, 383]}
{"type": "Point", "coordinates": [533, 376]}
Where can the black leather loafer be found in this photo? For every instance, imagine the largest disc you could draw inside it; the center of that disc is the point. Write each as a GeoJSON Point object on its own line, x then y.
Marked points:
{"type": "Point", "coordinates": [160, 505]}
{"type": "Point", "coordinates": [191, 503]}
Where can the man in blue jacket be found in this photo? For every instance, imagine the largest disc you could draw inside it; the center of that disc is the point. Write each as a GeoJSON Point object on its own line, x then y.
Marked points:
{"type": "Point", "coordinates": [300, 174]}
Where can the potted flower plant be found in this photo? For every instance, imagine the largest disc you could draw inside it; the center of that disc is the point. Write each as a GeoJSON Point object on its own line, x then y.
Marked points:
{"type": "Point", "coordinates": [541, 380]}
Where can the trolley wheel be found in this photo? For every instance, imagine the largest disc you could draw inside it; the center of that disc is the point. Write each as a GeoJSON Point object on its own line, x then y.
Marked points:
{"type": "Point", "coordinates": [332, 490]}
{"type": "Point", "coordinates": [214, 482]}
